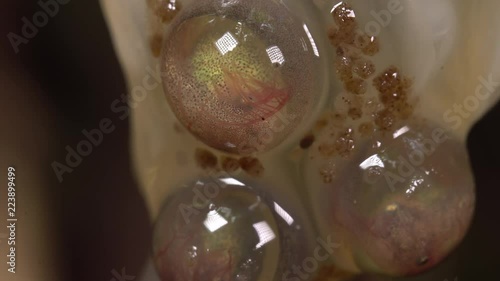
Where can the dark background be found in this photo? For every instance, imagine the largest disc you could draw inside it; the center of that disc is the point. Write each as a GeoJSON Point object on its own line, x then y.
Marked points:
{"type": "Point", "coordinates": [102, 218]}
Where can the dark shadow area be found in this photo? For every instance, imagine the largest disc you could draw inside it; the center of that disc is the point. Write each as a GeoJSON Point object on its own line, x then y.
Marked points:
{"type": "Point", "coordinates": [101, 213]}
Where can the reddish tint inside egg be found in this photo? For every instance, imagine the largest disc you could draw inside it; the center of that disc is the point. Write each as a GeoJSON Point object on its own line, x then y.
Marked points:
{"type": "Point", "coordinates": [401, 203]}
{"type": "Point", "coordinates": [243, 81]}
{"type": "Point", "coordinates": [221, 229]}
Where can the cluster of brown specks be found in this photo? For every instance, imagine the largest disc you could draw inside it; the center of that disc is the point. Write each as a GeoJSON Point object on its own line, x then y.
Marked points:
{"type": "Point", "coordinates": [369, 102]}
{"type": "Point", "coordinates": [393, 94]}
{"type": "Point", "coordinates": [208, 161]}
{"type": "Point", "coordinates": [161, 12]}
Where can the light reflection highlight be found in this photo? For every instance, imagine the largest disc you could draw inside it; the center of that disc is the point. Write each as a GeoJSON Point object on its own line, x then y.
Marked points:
{"type": "Point", "coordinates": [372, 161]}
{"type": "Point", "coordinates": [283, 214]}
{"type": "Point", "coordinates": [311, 39]}
{"type": "Point", "coordinates": [226, 43]}
{"type": "Point", "coordinates": [275, 55]}
{"type": "Point", "coordinates": [391, 207]}
{"type": "Point", "coordinates": [414, 184]}
{"type": "Point", "coordinates": [214, 221]}
{"type": "Point", "coordinates": [265, 233]}
{"type": "Point", "coordinates": [400, 132]}
{"type": "Point", "coordinates": [232, 181]}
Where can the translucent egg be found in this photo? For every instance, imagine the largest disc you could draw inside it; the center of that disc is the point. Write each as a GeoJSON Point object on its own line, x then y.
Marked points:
{"type": "Point", "coordinates": [241, 75]}
{"type": "Point", "coordinates": [400, 203]}
{"type": "Point", "coordinates": [223, 230]}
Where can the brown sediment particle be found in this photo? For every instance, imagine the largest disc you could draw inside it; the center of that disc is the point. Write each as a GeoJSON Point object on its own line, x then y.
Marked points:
{"type": "Point", "coordinates": [155, 43]}
{"type": "Point", "coordinates": [341, 36]}
{"type": "Point", "coordinates": [205, 159]}
{"type": "Point", "coordinates": [343, 62]}
{"type": "Point", "coordinates": [252, 166]}
{"type": "Point", "coordinates": [405, 110]}
{"type": "Point", "coordinates": [326, 149]}
{"type": "Point", "coordinates": [327, 177]}
{"type": "Point", "coordinates": [345, 143]}
{"type": "Point", "coordinates": [366, 129]}
{"type": "Point", "coordinates": [166, 10]}
{"type": "Point", "coordinates": [355, 112]}
{"type": "Point", "coordinates": [327, 172]}
{"type": "Point", "coordinates": [343, 66]}
{"type": "Point", "coordinates": [355, 86]}
{"type": "Point", "coordinates": [364, 68]}
{"type": "Point", "coordinates": [392, 85]}
{"type": "Point", "coordinates": [307, 141]}
{"type": "Point", "coordinates": [332, 36]}
{"type": "Point", "coordinates": [321, 123]}
{"type": "Point", "coordinates": [344, 17]}
{"type": "Point", "coordinates": [338, 120]}
{"type": "Point", "coordinates": [385, 120]}
{"type": "Point", "coordinates": [342, 51]}
{"type": "Point", "coordinates": [347, 52]}
{"type": "Point", "coordinates": [368, 45]}
{"type": "Point", "coordinates": [372, 48]}
{"type": "Point", "coordinates": [362, 41]}
{"type": "Point", "coordinates": [350, 43]}
{"type": "Point", "coordinates": [335, 36]}
{"type": "Point", "coordinates": [358, 100]}
{"type": "Point", "coordinates": [230, 164]}
{"type": "Point", "coordinates": [393, 90]}
{"type": "Point", "coordinates": [352, 47]}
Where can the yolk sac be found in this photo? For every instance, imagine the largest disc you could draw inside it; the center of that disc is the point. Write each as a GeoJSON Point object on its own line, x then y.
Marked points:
{"type": "Point", "coordinates": [401, 202]}
{"type": "Point", "coordinates": [223, 230]}
{"type": "Point", "coordinates": [235, 75]}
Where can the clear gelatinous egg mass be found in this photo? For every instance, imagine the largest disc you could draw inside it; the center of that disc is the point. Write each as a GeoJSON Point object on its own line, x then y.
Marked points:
{"type": "Point", "coordinates": [240, 75]}
{"type": "Point", "coordinates": [401, 203]}
{"type": "Point", "coordinates": [223, 230]}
